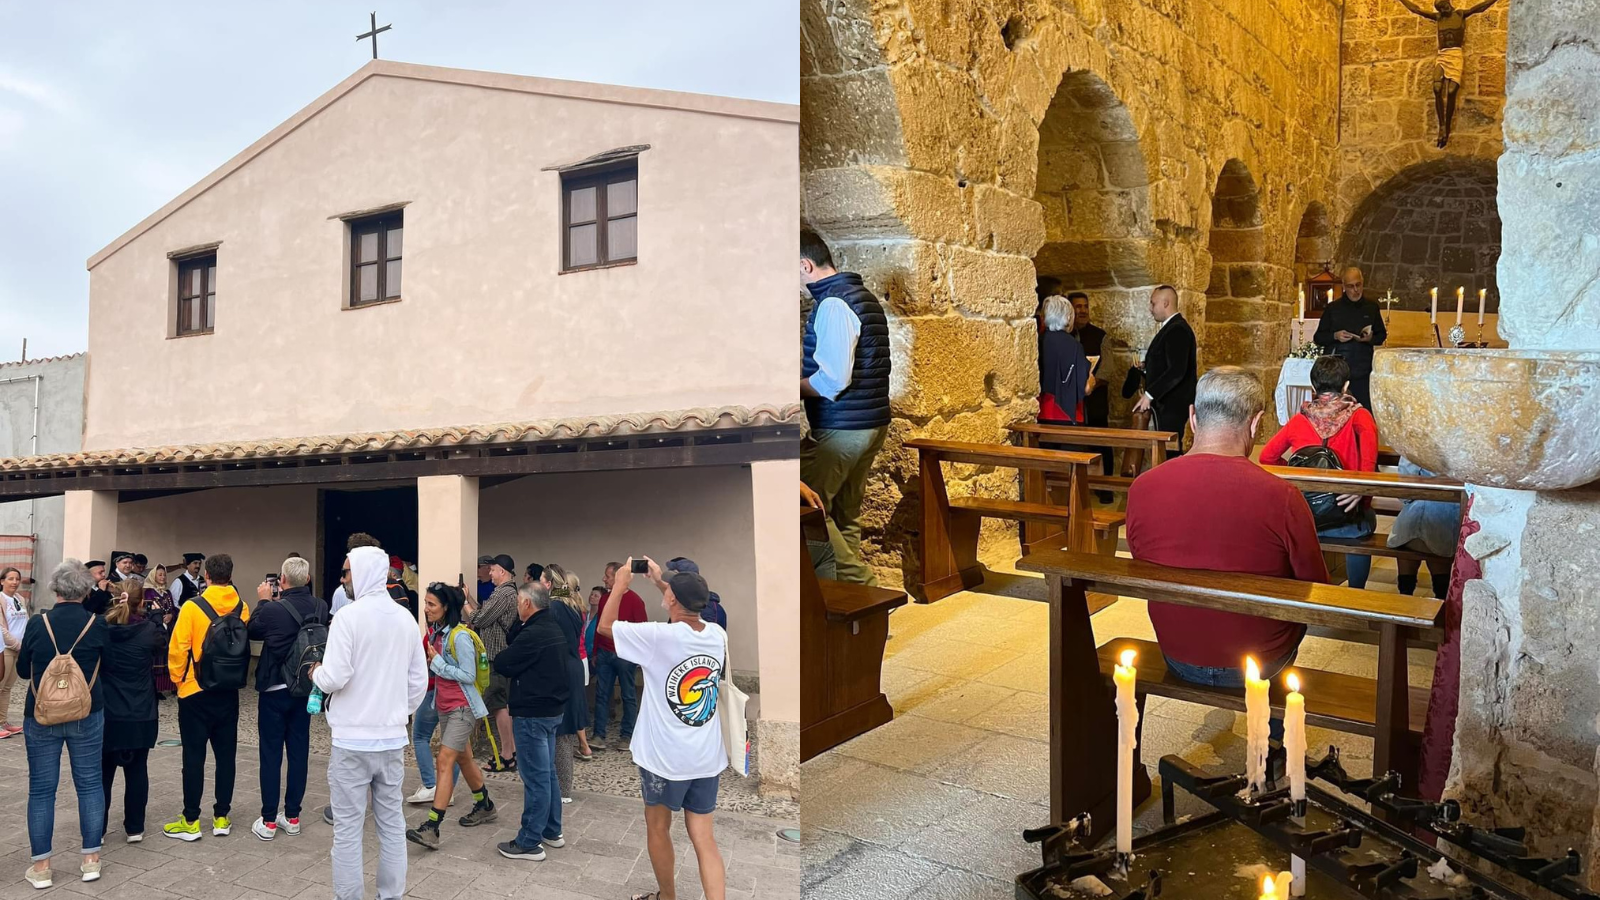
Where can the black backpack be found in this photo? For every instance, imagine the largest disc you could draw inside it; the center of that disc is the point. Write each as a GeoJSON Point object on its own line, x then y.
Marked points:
{"type": "Point", "coordinates": [310, 641]}
{"type": "Point", "coordinates": [1325, 508]}
{"type": "Point", "coordinates": [225, 652]}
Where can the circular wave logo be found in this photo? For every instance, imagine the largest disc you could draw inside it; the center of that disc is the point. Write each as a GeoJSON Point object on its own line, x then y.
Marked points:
{"type": "Point", "coordinates": [692, 689]}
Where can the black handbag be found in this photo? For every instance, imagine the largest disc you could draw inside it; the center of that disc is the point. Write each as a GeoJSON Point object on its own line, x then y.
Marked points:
{"type": "Point", "coordinates": [1325, 508]}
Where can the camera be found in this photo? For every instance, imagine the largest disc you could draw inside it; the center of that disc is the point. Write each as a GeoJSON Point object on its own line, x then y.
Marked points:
{"type": "Point", "coordinates": [640, 566]}
{"type": "Point", "coordinates": [272, 579]}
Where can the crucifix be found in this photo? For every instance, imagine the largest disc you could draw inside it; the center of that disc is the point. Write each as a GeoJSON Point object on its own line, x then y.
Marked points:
{"type": "Point", "coordinates": [1451, 60]}
{"type": "Point", "coordinates": [373, 34]}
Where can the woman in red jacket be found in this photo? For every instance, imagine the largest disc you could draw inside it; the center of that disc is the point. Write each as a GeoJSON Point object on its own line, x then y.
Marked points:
{"type": "Point", "coordinates": [1336, 420]}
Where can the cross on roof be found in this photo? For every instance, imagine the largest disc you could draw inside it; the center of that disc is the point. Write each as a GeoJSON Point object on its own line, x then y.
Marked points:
{"type": "Point", "coordinates": [373, 34]}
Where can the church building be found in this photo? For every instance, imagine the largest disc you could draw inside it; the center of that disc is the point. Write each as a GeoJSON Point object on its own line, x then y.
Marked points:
{"type": "Point", "coordinates": [470, 313]}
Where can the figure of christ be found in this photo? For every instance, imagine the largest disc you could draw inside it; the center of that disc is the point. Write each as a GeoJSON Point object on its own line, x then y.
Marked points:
{"type": "Point", "coordinates": [1452, 56]}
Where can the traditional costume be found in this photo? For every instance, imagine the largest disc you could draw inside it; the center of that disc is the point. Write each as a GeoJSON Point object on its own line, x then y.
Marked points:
{"type": "Point", "coordinates": [186, 588]}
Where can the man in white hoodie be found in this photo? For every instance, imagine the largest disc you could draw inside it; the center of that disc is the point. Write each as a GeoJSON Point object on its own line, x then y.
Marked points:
{"type": "Point", "coordinates": [374, 675]}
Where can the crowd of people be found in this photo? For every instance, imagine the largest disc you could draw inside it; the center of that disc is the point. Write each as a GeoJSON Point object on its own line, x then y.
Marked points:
{"type": "Point", "coordinates": [386, 668]}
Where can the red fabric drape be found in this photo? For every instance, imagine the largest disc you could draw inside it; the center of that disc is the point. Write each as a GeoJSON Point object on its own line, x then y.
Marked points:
{"type": "Point", "coordinates": [1438, 735]}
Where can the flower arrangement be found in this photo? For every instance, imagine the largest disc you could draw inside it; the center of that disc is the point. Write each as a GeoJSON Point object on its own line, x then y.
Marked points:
{"type": "Point", "coordinates": [1308, 350]}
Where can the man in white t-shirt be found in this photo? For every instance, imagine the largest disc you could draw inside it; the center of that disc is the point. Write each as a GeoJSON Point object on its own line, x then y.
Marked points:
{"type": "Point", "coordinates": [677, 742]}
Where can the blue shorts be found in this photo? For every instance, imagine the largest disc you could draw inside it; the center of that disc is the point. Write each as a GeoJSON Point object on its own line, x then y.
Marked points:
{"type": "Point", "coordinates": [698, 795]}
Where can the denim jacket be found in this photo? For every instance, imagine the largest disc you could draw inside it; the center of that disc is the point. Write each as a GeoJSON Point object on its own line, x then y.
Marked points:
{"type": "Point", "coordinates": [447, 665]}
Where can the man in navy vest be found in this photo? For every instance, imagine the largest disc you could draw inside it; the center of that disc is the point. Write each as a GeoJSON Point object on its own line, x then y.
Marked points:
{"type": "Point", "coordinates": [844, 380]}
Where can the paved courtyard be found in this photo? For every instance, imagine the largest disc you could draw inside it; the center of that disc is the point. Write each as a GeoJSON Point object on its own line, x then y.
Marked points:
{"type": "Point", "coordinates": [604, 857]}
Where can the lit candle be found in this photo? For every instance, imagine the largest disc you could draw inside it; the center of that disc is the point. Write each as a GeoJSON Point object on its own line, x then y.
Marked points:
{"type": "Point", "coordinates": [1461, 294]}
{"type": "Point", "coordinates": [1481, 293]}
{"type": "Point", "coordinates": [1434, 315]}
{"type": "Point", "coordinates": [1330, 296]}
{"type": "Point", "coordinates": [1127, 723]}
{"type": "Point", "coordinates": [1258, 713]}
{"type": "Point", "coordinates": [1302, 303]}
{"type": "Point", "coordinates": [1276, 887]}
{"type": "Point", "coordinates": [1294, 738]}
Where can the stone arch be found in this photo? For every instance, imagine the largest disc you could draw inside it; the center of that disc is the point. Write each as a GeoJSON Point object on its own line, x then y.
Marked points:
{"type": "Point", "coordinates": [1436, 223]}
{"type": "Point", "coordinates": [1246, 322]}
{"type": "Point", "coordinates": [1313, 243]}
{"type": "Point", "coordinates": [1093, 187]}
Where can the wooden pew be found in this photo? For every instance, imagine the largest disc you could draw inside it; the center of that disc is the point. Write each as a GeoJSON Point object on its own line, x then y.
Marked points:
{"type": "Point", "coordinates": [843, 629]}
{"type": "Point", "coordinates": [1083, 718]}
{"type": "Point", "coordinates": [1039, 487]}
{"type": "Point", "coordinates": [950, 527]}
{"type": "Point", "coordinates": [1388, 485]}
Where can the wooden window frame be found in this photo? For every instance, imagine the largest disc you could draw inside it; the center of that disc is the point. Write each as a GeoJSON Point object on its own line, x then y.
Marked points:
{"type": "Point", "coordinates": [207, 297]}
{"type": "Point", "coordinates": [598, 177]}
{"type": "Point", "coordinates": [381, 224]}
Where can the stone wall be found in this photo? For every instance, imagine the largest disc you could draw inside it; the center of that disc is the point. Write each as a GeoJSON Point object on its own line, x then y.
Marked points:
{"type": "Point", "coordinates": [1389, 167]}
{"type": "Point", "coordinates": [1526, 743]}
{"type": "Point", "coordinates": [1434, 225]}
{"type": "Point", "coordinates": [952, 151]}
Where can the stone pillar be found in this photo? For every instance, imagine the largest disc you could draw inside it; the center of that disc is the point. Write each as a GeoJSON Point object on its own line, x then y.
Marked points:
{"type": "Point", "coordinates": [89, 526]}
{"type": "Point", "coordinates": [447, 528]}
{"type": "Point", "coordinates": [1526, 743]}
{"type": "Point", "coordinates": [774, 494]}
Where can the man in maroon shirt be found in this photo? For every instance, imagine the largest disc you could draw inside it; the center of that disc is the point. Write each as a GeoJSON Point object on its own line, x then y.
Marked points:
{"type": "Point", "coordinates": [609, 668]}
{"type": "Point", "coordinates": [1215, 509]}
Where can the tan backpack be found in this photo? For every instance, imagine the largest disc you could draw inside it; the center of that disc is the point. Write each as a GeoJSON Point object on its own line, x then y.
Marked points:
{"type": "Point", "coordinates": [62, 695]}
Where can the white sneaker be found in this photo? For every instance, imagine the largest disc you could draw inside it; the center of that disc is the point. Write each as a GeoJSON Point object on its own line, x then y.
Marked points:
{"type": "Point", "coordinates": [135, 838]}
{"type": "Point", "coordinates": [285, 824]}
{"type": "Point", "coordinates": [423, 795]}
{"type": "Point", "coordinates": [263, 830]}
{"type": "Point", "coordinates": [566, 799]}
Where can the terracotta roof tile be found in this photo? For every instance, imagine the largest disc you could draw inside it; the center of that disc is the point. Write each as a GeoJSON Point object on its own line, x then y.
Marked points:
{"type": "Point", "coordinates": [589, 427]}
{"type": "Point", "coordinates": [39, 359]}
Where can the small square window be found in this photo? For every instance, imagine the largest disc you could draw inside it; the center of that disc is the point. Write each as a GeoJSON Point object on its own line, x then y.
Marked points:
{"type": "Point", "coordinates": [599, 217]}
{"type": "Point", "coordinates": [197, 295]}
{"type": "Point", "coordinates": [375, 245]}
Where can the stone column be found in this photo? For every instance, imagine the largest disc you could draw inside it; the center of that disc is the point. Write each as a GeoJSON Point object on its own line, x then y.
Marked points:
{"type": "Point", "coordinates": [447, 528]}
{"type": "Point", "coordinates": [775, 495]}
{"type": "Point", "coordinates": [1525, 748]}
{"type": "Point", "coordinates": [89, 526]}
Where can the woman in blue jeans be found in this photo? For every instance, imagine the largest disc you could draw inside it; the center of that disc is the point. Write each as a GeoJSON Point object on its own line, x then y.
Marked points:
{"type": "Point", "coordinates": [67, 624]}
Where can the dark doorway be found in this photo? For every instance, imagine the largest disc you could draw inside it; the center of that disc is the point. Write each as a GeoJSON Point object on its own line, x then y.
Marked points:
{"type": "Point", "coordinates": [388, 514]}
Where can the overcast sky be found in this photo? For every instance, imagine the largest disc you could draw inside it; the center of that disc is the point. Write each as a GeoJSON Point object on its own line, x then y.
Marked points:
{"type": "Point", "coordinates": [110, 109]}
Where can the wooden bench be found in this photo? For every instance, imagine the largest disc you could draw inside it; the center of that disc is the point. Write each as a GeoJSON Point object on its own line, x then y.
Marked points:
{"type": "Point", "coordinates": [950, 527]}
{"type": "Point", "coordinates": [1379, 485]}
{"type": "Point", "coordinates": [1083, 718]}
{"type": "Point", "coordinates": [1041, 487]}
{"type": "Point", "coordinates": [843, 630]}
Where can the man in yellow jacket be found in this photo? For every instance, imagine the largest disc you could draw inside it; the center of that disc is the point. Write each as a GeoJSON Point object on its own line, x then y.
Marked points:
{"type": "Point", "coordinates": [205, 715]}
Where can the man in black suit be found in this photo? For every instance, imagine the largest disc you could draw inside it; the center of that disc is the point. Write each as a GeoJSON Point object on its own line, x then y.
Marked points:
{"type": "Point", "coordinates": [1169, 365]}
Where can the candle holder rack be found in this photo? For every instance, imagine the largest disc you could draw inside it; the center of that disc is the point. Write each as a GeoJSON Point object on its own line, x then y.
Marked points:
{"type": "Point", "coordinates": [1358, 838]}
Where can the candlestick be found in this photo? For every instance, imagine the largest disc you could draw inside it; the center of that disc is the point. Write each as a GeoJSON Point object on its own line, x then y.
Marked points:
{"type": "Point", "coordinates": [1127, 722]}
{"type": "Point", "coordinates": [1481, 293]}
{"type": "Point", "coordinates": [1258, 712]}
{"type": "Point", "coordinates": [1460, 302]}
{"type": "Point", "coordinates": [1294, 738]}
{"type": "Point", "coordinates": [1302, 303]}
{"type": "Point", "coordinates": [1434, 315]}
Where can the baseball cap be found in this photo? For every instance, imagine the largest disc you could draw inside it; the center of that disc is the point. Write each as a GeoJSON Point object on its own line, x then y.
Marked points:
{"type": "Point", "coordinates": [683, 564]}
{"type": "Point", "coordinates": [690, 590]}
{"type": "Point", "coordinates": [505, 562]}
{"type": "Point", "coordinates": [485, 560]}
